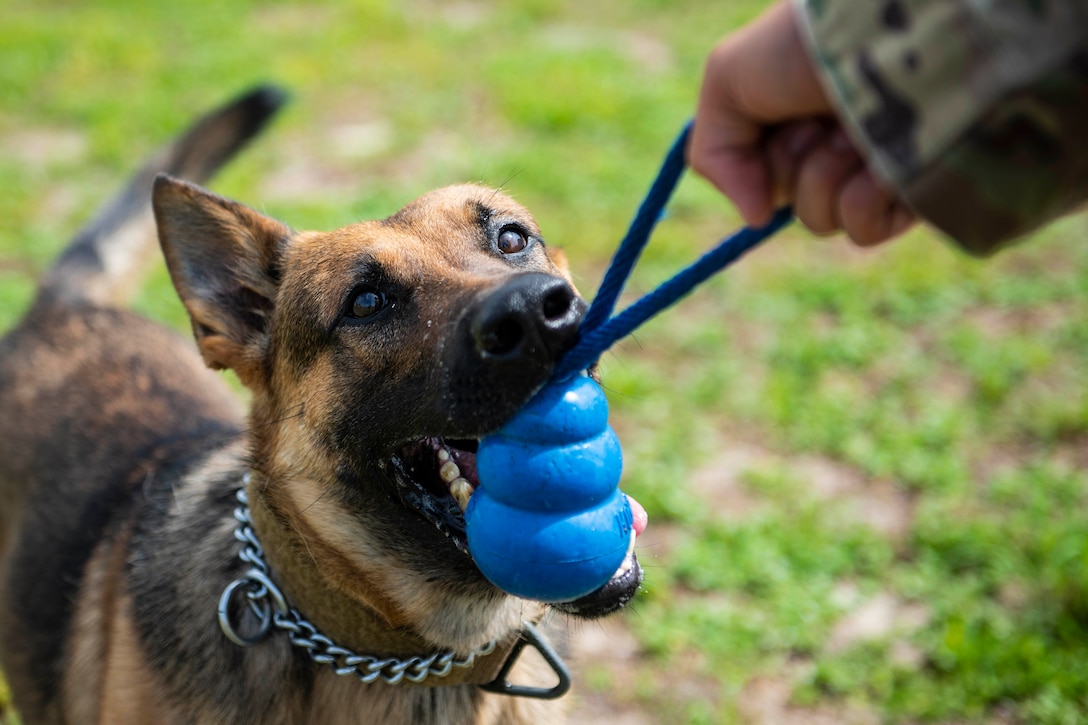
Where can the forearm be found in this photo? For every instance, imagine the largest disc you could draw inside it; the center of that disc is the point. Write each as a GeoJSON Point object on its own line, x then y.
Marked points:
{"type": "Point", "coordinates": [978, 117]}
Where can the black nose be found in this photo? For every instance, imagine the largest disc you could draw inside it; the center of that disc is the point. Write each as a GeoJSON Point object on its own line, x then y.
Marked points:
{"type": "Point", "coordinates": [533, 318]}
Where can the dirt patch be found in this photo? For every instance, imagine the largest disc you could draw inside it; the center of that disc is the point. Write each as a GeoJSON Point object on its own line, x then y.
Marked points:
{"type": "Point", "coordinates": [606, 646]}
{"type": "Point", "coordinates": [329, 166]}
{"type": "Point", "coordinates": [299, 178]}
{"type": "Point", "coordinates": [880, 617]}
{"type": "Point", "coordinates": [720, 481]}
{"type": "Point", "coordinates": [611, 675]}
{"type": "Point", "coordinates": [38, 147]}
{"type": "Point", "coordinates": [878, 504]}
{"type": "Point", "coordinates": [766, 701]}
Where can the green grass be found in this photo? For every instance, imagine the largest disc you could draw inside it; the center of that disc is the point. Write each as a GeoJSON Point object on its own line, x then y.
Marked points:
{"type": "Point", "coordinates": [954, 386]}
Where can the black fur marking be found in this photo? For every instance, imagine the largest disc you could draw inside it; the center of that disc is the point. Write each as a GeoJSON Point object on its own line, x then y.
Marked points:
{"type": "Point", "coordinates": [483, 215]}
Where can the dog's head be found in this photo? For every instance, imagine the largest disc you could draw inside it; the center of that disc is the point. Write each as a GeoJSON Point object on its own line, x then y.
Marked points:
{"type": "Point", "coordinates": [377, 355]}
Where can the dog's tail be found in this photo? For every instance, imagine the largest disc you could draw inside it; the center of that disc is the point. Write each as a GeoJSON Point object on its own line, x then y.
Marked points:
{"type": "Point", "coordinates": [102, 264]}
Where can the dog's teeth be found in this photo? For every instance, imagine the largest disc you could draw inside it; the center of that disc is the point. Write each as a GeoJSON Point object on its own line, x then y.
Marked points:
{"type": "Point", "coordinates": [628, 561]}
{"type": "Point", "coordinates": [449, 471]}
{"type": "Point", "coordinates": [443, 455]}
{"type": "Point", "coordinates": [462, 491]}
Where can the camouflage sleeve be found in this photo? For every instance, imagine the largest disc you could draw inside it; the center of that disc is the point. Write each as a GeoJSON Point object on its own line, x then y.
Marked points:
{"type": "Point", "coordinates": [975, 110]}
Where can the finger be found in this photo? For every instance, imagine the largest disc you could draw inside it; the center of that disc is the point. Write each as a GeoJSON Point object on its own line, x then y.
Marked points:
{"type": "Point", "coordinates": [870, 213]}
{"type": "Point", "coordinates": [786, 149]}
{"type": "Point", "coordinates": [742, 176]}
{"type": "Point", "coordinates": [820, 181]}
{"type": "Point", "coordinates": [738, 170]}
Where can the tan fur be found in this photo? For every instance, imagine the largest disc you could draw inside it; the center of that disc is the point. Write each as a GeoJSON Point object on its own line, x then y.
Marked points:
{"type": "Point", "coordinates": [129, 691]}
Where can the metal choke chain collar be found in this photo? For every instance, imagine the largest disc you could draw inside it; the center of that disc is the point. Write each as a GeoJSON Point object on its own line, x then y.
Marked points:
{"type": "Point", "coordinates": [269, 605]}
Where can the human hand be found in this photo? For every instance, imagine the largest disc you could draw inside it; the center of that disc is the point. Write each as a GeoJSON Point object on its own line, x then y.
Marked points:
{"type": "Point", "coordinates": [765, 135]}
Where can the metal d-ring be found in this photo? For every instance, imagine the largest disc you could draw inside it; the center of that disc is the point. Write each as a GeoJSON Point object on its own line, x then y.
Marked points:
{"type": "Point", "coordinates": [530, 637]}
{"type": "Point", "coordinates": [267, 601]}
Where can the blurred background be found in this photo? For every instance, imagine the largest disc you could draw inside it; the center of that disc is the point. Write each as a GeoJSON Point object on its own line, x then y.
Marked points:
{"type": "Point", "coordinates": [865, 470]}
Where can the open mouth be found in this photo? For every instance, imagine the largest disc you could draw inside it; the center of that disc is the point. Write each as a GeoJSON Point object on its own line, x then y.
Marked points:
{"type": "Point", "coordinates": [437, 477]}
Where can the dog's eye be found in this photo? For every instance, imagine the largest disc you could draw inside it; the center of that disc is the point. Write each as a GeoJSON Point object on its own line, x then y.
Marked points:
{"type": "Point", "coordinates": [512, 241]}
{"type": "Point", "coordinates": [368, 302]}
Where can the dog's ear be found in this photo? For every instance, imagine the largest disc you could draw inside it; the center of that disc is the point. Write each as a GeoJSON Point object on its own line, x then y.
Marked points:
{"type": "Point", "coordinates": [559, 258]}
{"type": "Point", "coordinates": [224, 261]}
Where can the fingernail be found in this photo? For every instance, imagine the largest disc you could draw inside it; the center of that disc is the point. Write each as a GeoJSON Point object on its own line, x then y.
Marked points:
{"type": "Point", "coordinates": [756, 214]}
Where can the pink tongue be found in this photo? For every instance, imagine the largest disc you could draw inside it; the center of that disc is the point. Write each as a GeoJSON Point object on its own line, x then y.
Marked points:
{"type": "Point", "coordinates": [639, 515]}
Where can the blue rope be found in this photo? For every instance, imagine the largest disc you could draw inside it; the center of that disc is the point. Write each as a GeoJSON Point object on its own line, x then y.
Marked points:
{"type": "Point", "coordinates": [599, 329]}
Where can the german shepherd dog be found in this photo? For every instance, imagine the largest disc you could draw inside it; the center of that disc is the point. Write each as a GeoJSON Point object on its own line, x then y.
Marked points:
{"type": "Point", "coordinates": [132, 571]}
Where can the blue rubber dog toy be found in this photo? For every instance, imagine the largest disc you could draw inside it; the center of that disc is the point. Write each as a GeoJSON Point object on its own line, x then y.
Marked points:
{"type": "Point", "coordinates": [548, 520]}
